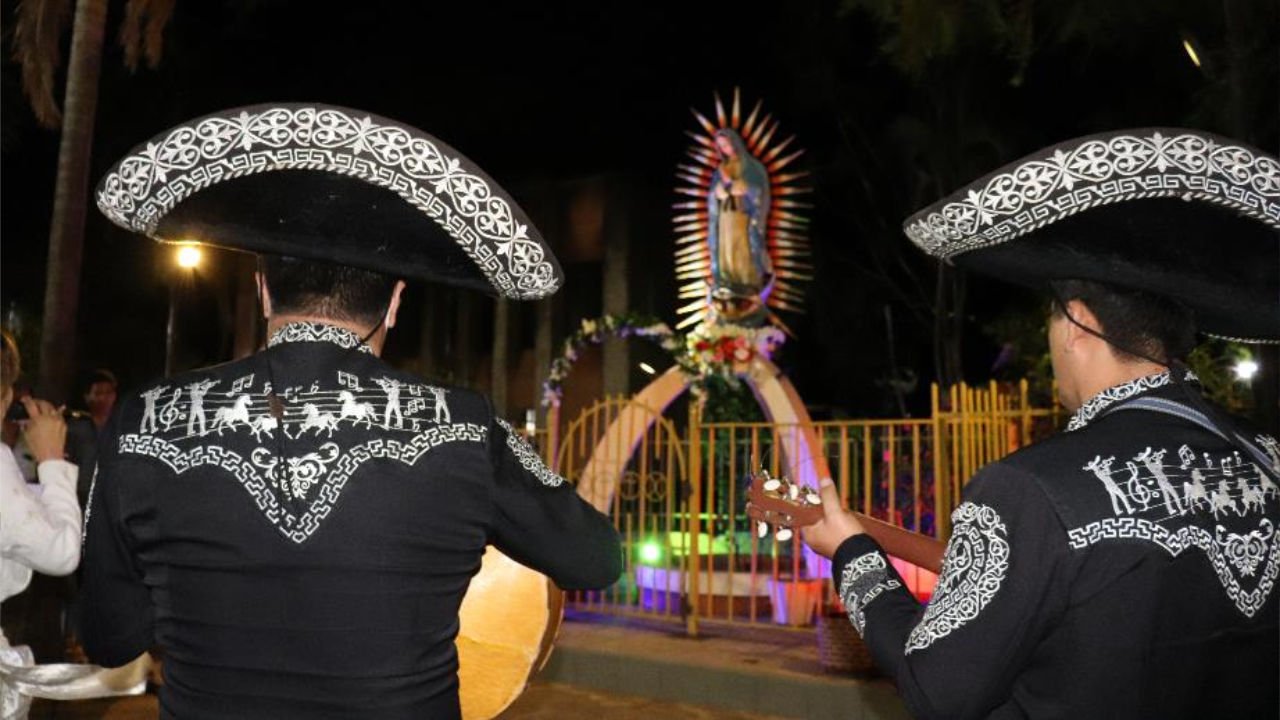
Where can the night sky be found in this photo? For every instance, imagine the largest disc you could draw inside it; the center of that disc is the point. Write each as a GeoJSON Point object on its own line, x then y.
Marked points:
{"type": "Point", "coordinates": [544, 93]}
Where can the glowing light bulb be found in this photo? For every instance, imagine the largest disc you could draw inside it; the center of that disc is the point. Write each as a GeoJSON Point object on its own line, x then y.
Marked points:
{"type": "Point", "coordinates": [1246, 369]}
{"type": "Point", "coordinates": [189, 256]}
{"type": "Point", "coordinates": [650, 553]}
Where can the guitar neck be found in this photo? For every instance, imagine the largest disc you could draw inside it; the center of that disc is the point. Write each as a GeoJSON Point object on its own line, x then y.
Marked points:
{"type": "Point", "coordinates": [915, 548]}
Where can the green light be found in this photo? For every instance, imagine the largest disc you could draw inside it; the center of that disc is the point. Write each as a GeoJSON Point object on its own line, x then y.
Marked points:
{"type": "Point", "coordinates": [650, 552]}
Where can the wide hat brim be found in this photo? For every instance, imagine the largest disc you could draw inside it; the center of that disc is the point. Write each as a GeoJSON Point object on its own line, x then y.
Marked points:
{"type": "Point", "coordinates": [1182, 214]}
{"type": "Point", "coordinates": [333, 184]}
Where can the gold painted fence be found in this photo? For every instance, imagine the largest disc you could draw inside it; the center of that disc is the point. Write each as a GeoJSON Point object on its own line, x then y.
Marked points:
{"type": "Point", "coordinates": [674, 488]}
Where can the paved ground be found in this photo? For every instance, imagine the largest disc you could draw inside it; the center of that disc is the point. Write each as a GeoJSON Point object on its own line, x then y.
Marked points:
{"type": "Point", "coordinates": [610, 669]}
{"type": "Point", "coordinates": [542, 701]}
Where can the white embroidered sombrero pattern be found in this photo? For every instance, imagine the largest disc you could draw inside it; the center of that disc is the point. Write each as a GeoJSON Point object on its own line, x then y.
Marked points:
{"type": "Point", "coordinates": [973, 569]}
{"type": "Point", "coordinates": [1077, 176]}
{"type": "Point", "coordinates": [143, 187]}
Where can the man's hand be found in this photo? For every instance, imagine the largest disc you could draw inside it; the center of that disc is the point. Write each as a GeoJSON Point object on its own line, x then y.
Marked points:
{"type": "Point", "coordinates": [45, 431]}
{"type": "Point", "coordinates": [836, 525]}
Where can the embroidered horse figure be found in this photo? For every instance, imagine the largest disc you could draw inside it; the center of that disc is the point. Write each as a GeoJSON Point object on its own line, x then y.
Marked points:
{"type": "Point", "coordinates": [263, 424]}
{"type": "Point", "coordinates": [1252, 496]}
{"type": "Point", "coordinates": [1265, 485]}
{"type": "Point", "coordinates": [1102, 469]}
{"type": "Point", "coordinates": [318, 421]}
{"type": "Point", "coordinates": [1193, 492]}
{"type": "Point", "coordinates": [227, 417]}
{"type": "Point", "coordinates": [1221, 499]}
{"type": "Point", "coordinates": [357, 411]}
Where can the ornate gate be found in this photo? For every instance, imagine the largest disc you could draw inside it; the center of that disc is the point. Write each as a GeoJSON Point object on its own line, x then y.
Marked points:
{"type": "Point", "coordinates": [628, 461]}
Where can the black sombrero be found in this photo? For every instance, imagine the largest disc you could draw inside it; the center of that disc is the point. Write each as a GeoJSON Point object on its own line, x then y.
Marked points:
{"type": "Point", "coordinates": [334, 184]}
{"type": "Point", "coordinates": [1179, 213]}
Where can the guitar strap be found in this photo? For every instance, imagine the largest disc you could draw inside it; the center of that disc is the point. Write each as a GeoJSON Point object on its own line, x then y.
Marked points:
{"type": "Point", "coordinates": [1192, 415]}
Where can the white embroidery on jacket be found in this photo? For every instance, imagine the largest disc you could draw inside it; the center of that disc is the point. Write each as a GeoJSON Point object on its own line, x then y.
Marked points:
{"type": "Point", "coordinates": [295, 332]}
{"type": "Point", "coordinates": [973, 568]}
{"type": "Point", "coordinates": [529, 458]}
{"type": "Point", "coordinates": [1217, 503]}
{"type": "Point", "coordinates": [257, 475]}
{"type": "Point", "coordinates": [1117, 393]}
{"type": "Point", "coordinates": [1226, 551]}
{"type": "Point", "coordinates": [864, 579]}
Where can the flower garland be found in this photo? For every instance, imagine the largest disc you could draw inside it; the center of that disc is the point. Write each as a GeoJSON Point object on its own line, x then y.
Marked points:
{"type": "Point", "coordinates": [725, 350]}
{"type": "Point", "coordinates": [707, 350]}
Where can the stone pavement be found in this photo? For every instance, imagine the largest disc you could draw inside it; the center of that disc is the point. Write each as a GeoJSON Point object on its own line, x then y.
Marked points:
{"type": "Point", "coordinates": [604, 668]}
{"type": "Point", "coordinates": [739, 668]}
{"type": "Point", "coordinates": [542, 701]}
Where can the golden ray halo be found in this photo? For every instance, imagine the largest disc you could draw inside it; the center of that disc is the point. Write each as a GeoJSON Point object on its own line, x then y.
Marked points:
{"type": "Point", "coordinates": [786, 227]}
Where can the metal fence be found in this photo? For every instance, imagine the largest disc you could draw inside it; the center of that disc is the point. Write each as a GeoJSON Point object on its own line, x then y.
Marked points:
{"type": "Point", "coordinates": [675, 490]}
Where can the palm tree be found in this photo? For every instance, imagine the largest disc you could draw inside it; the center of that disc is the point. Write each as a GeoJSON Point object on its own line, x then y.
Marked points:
{"type": "Point", "coordinates": [39, 27]}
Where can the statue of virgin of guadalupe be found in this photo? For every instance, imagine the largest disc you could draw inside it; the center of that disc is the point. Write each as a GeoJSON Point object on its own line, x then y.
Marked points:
{"type": "Point", "coordinates": [738, 209]}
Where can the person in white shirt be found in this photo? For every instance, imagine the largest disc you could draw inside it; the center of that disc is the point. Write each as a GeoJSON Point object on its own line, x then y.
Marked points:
{"type": "Point", "coordinates": [39, 523]}
{"type": "Point", "coordinates": [40, 531]}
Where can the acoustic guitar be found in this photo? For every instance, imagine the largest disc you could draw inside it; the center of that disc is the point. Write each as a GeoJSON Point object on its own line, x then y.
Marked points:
{"type": "Point", "coordinates": [785, 505]}
{"type": "Point", "coordinates": [508, 622]}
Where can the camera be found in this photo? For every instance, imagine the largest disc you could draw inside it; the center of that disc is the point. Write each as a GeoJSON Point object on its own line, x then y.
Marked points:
{"type": "Point", "coordinates": [18, 413]}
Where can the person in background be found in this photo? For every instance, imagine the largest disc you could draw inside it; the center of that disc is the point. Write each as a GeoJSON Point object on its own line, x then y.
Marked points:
{"type": "Point", "coordinates": [1125, 567]}
{"type": "Point", "coordinates": [39, 523]}
{"type": "Point", "coordinates": [85, 430]}
{"type": "Point", "coordinates": [296, 530]}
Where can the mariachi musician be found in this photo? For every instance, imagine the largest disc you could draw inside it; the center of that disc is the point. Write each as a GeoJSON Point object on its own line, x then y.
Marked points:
{"type": "Point", "coordinates": [296, 530]}
{"type": "Point", "coordinates": [1127, 567]}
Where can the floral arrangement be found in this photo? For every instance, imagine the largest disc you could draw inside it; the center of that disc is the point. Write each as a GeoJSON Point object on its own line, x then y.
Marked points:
{"type": "Point", "coordinates": [707, 350]}
{"type": "Point", "coordinates": [725, 349]}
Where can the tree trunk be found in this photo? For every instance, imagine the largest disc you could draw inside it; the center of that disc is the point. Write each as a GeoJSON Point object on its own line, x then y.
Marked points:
{"type": "Point", "coordinates": [500, 369]}
{"type": "Point", "coordinates": [617, 295]}
{"type": "Point", "coordinates": [246, 334]}
{"type": "Point", "coordinates": [70, 202]}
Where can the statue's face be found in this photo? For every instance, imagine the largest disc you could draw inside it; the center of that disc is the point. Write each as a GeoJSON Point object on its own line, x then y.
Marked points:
{"type": "Point", "coordinates": [725, 145]}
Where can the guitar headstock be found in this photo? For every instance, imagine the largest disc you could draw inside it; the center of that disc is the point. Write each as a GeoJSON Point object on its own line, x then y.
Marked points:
{"type": "Point", "coordinates": [781, 503]}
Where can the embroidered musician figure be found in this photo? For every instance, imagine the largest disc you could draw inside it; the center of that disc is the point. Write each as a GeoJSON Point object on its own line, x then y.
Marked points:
{"type": "Point", "coordinates": [1064, 591]}
{"type": "Point", "coordinates": [392, 389]}
{"type": "Point", "coordinates": [362, 538]}
{"type": "Point", "coordinates": [150, 398]}
{"type": "Point", "coordinates": [195, 409]}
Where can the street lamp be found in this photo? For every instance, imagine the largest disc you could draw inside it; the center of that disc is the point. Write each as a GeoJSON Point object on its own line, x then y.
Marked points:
{"type": "Point", "coordinates": [1246, 369]}
{"type": "Point", "coordinates": [187, 257]}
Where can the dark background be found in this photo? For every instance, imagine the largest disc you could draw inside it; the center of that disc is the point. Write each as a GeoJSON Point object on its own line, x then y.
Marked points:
{"type": "Point", "coordinates": [894, 106]}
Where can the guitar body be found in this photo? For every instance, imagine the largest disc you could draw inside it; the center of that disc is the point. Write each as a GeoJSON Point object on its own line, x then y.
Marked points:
{"type": "Point", "coordinates": [508, 621]}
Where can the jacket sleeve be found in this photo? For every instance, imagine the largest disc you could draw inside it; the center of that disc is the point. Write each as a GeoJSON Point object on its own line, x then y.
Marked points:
{"type": "Point", "coordinates": [40, 525]}
{"type": "Point", "coordinates": [116, 612]}
{"type": "Point", "coordinates": [540, 521]}
{"type": "Point", "coordinates": [1003, 587]}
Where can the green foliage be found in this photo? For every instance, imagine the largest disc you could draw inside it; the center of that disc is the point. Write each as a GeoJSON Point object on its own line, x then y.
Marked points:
{"type": "Point", "coordinates": [1020, 332]}
{"type": "Point", "coordinates": [730, 401]}
{"type": "Point", "coordinates": [1214, 361]}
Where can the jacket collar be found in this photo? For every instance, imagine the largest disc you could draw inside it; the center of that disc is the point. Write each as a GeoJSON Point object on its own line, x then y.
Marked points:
{"type": "Point", "coordinates": [1116, 394]}
{"type": "Point", "coordinates": [297, 332]}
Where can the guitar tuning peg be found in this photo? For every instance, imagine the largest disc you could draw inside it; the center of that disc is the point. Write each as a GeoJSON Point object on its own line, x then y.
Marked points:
{"type": "Point", "coordinates": [762, 530]}
{"type": "Point", "coordinates": [784, 534]}
{"type": "Point", "coordinates": [794, 492]}
{"type": "Point", "coordinates": [772, 484]}
{"type": "Point", "coordinates": [812, 498]}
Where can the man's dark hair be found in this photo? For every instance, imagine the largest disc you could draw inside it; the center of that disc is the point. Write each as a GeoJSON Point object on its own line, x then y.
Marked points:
{"type": "Point", "coordinates": [1137, 324]}
{"type": "Point", "coordinates": [304, 287]}
{"type": "Point", "coordinates": [99, 375]}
